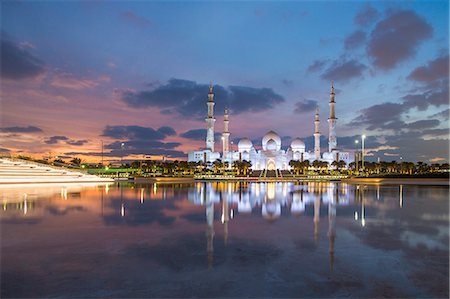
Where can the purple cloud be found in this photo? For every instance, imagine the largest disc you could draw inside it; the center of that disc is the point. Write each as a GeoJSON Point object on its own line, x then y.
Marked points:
{"type": "Point", "coordinates": [305, 106]}
{"type": "Point", "coordinates": [316, 66]}
{"type": "Point", "coordinates": [355, 40]}
{"type": "Point", "coordinates": [435, 70]}
{"type": "Point", "coordinates": [343, 71]}
{"type": "Point", "coordinates": [18, 63]}
{"type": "Point", "coordinates": [366, 16]}
{"type": "Point", "coordinates": [396, 38]}
{"type": "Point", "coordinates": [184, 97]}
{"type": "Point", "coordinates": [135, 19]}
{"type": "Point", "coordinates": [29, 129]}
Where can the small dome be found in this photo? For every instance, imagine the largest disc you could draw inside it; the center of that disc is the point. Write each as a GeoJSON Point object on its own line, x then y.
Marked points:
{"type": "Point", "coordinates": [245, 145]}
{"type": "Point", "coordinates": [271, 135]}
{"type": "Point", "coordinates": [297, 145]}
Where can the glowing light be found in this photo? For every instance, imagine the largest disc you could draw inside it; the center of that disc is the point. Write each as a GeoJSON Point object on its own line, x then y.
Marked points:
{"type": "Point", "coordinates": [64, 193]}
{"type": "Point", "coordinates": [401, 196]}
{"type": "Point", "coordinates": [363, 222]}
{"type": "Point", "coordinates": [106, 167]}
{"type": "Point", "coordinates": [106, 189]}
{"type": "Point", "coordinates": [25, 209]}
{"type": "Point", "coordinates": [231, 213]}
{"type": "Point", "coordinates": [356, 215]}
{"type": "Point", "coordinates": [154, 188]}
{"type": "Point", "coordinates": [356, 141]}
{"type": "Point", "coordinates": [122, 210]}
{"type": "Point", "coordinates": [4, 206]}
{"type": "Point", "coordinates": [222, 218]}
{"type": "Point", "coordinates": [363, 136]}
{"type": "Point", "coordinates": [142, 195]}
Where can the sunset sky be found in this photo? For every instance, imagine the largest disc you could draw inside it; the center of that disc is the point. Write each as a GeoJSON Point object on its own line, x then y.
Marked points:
{"type": "Point", "coordinates": [74, 74]}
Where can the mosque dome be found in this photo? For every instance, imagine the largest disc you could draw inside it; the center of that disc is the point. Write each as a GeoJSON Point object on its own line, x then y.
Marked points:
{"type": "Point", "coordinates": [297, 145]}
{"type": "Point", "coordinates": [267, 140]}
{"type": "Point", "coordinates": [245, 145]}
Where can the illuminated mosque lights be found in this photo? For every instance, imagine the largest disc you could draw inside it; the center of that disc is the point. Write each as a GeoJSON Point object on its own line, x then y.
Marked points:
{"type": "Point", "coordinates": [271, 156]}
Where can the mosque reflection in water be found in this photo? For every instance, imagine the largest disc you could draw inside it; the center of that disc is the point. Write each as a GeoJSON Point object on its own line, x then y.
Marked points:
{"type": "Point", "coordinates": [272, 199]}
{"type": "Point", "coordinates": [269, 200]}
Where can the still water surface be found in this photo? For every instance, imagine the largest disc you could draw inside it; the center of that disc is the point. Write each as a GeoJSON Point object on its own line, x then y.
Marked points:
{"type": "Point", "coordinates": [225, 240]}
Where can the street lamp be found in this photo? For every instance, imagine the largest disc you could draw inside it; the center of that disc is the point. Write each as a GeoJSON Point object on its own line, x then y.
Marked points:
{"type": "Point", "coordinates": [121, 156]}
{"type": "Point", "coordinates": [362, 150]}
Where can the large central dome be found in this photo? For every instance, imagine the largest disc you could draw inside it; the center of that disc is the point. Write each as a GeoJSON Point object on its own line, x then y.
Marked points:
{"type": "Point", "coordinates": [273, 140]}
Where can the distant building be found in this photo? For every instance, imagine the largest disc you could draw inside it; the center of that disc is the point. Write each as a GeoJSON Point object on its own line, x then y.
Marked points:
{"type": "Point", "coordinates": [271, 156]}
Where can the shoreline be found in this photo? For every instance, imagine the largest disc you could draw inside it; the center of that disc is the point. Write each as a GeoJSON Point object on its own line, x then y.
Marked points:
{"type": "Point", "coordinates": [367, 181]}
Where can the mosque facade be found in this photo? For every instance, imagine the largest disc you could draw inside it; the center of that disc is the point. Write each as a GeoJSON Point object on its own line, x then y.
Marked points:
{"type": "Point", "coordinates": [271, 156]}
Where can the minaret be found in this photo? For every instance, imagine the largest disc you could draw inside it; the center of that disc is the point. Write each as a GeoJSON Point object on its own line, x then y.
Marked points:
{"type": "Point", "coordinates": [225, 136]}
{"type": "Point", "coordinates": [317, 135]}
{"type": "Point", "coordinates": [332, 142]}
{"type": "Point", "coordinates": [210, 120]}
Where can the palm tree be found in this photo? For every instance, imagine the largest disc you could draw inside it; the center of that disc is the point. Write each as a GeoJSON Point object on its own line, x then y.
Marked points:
{"type": "Point", "coordinates": [296, 166]}
{"type": "Point", "coordinates": [316, 164]}
{"type": "Point", "coordinates": [305, 165]}
{"type": "Point", "coordinates": [217, 165]}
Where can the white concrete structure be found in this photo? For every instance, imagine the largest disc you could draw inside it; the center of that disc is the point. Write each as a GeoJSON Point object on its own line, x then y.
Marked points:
{"type": "Point", "coordinates": [208, 154]}
{"type": "Point", "coordinates": [24, 172]}
{"type": "Point", "coordinates": [272, 156]}
{"type": "Point", "coordinates": [210, 120]}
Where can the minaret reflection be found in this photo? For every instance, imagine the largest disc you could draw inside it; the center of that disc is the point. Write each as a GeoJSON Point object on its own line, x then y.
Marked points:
{"type": "Point", "coordinates": [331, 221]}
{"type": "Point", "coordinates": [209, 203]}
{"type": "Point", "coordinates": [316, 216]}
{"type": "Point", "coordinates": [225, 214]}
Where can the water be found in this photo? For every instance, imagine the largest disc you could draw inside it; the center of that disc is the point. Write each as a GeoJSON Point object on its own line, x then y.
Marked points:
{"type": "Point", "coordinates": [225, 240]}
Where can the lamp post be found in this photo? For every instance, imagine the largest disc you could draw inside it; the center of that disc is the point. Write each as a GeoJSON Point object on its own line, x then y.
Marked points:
{"type": "Point", "coordinates": [362, 150]}
{"type": "Point", "coordinates": [121, 155]}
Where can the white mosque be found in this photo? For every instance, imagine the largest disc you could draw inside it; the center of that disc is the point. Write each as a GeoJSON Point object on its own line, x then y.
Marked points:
{"type": "Point", "coordinates": [271, 156]}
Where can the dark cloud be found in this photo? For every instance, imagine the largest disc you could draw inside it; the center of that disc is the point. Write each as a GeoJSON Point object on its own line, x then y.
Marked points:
{"type": "Point", "coordinates": [316, 66]}
{"type": "Point", "coordinates": [366, 16]}
{"type": "Point", "coordinates": [423, 124]}
{"type": "Point", "coordinates": [198, 134]}
{"type": "Point", "coordinates": [435, 70]}
{"type": "Point", "coordinates": [421, 101]}
{"type": "Point", "coordinates": [188, 98]}
{"type": "Point", "coordinates": [135, 19]}
{"type": "Point", "coordinates": [132, 145]}
{"type": "Point", "coordinates": [444, 114]}
{"type": "Point", "coordinates": [138, 140]}
{"type": "Point", "coordinates": [383, 116]}
{"type": "Point", "coordinates": [444, 132]}
{"type": "Point", "coordinates": [343, 71]}
{"type": "Point", "coordinates": [137, 132]}
{"type": "Point", "coordinates": [77, 142]}
{"type": "Point", "coordinates": [18, 63]}
{"type": "Point", "coordinates": [29, 129]}
{"type": "Point", "coordinates": [305, 106]}
{"type": "Point", "coordinates": [287, 82]}
{"type": "Point", "coordinates": [55, 139]}
{"type": "Point", "coordinates": [355, 40]}
{"type": "Point", "coordinates": [168, 131]}
{"type": "Point", "coordinates": [396, 38]}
